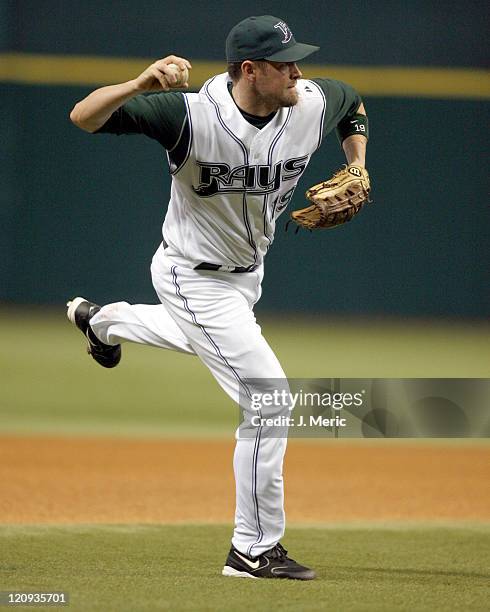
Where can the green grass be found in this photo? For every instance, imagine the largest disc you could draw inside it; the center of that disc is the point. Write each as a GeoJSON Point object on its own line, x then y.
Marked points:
{"type": "Point", "coordinates": [49, 384]}
{"type": "Point", "coordinates": [178, 568]}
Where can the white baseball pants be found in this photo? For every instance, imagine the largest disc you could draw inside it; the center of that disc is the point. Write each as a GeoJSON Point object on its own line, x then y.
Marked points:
{"type": "Point", "coordinates": [210, 314]}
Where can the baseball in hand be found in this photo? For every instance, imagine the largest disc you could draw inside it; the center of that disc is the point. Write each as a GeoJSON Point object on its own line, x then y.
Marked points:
{"type": "Point", "coordinates": [182, 76]}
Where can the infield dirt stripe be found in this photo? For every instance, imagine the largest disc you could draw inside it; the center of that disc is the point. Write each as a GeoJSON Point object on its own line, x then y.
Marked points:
{"type": "Point", "coordinates": [77, 480]}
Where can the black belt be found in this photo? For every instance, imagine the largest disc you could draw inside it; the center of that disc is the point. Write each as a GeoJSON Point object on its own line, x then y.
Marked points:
{"type": "Point", "coordinates": [238, 269]}
{"type": "Point", "coordinates": [217, 267]}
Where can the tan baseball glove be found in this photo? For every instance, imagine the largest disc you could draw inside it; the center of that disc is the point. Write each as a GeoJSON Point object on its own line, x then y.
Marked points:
{"type": "Point", "coordinates": [335, 201]}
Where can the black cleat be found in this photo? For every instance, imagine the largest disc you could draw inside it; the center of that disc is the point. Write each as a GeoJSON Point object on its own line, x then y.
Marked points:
{"type": "Point", "coordinates": [79, 312]}
{"type": "Point", "coordinates": [274, 563]}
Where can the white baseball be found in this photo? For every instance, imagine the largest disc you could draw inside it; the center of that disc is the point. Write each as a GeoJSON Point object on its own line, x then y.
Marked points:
{"type": "Point", "coordinates": [182, 76]}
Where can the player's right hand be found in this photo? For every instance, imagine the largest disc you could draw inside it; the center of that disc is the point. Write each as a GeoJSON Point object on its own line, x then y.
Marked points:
{"type": "Point", "coordinates": [158, 77]}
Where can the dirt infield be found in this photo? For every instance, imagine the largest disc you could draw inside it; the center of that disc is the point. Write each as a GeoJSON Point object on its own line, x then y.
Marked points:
{"type": "Point", "coordinates": [61, 480]}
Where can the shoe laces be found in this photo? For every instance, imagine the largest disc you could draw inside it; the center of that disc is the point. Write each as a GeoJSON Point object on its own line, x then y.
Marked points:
{"type": "Point", "coordinates": [278, 552]}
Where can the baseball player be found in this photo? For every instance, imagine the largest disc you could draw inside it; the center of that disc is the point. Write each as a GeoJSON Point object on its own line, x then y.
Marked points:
{"type": "Point", "coordinates": [236, 151]}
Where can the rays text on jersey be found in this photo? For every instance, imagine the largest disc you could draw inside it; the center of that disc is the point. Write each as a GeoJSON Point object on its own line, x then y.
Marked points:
{"type": "Point", "coordinates": [219, 177]}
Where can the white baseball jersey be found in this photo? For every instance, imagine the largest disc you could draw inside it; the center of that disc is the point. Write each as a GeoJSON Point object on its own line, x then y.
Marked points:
{"type": "Point", "coordinates": [236, 179]}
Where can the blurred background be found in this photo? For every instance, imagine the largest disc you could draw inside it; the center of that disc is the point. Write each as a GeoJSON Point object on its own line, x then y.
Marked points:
{"type": "Point", "coordinates": [401, 291]}
{"type": "Point", "coordinates": [83, 213]}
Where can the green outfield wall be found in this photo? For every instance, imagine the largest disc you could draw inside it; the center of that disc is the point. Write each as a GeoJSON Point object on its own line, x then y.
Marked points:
{"type": "Point", "coordinates": [82, 213]}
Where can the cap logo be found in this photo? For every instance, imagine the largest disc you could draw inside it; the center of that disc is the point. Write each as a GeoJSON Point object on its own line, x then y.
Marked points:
{"type": "Point", "coordinates": [285, 30]}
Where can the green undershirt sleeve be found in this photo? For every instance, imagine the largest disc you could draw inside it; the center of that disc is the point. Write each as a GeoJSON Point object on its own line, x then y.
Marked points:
{"type": "Point", "coordinates": [159, 116]}
{"type": "Point", "coordinates": [342, 101]}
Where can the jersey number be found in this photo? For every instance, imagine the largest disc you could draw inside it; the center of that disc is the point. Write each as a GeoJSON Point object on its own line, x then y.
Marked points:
{"type": "Point", "coordinates": [282, 201]}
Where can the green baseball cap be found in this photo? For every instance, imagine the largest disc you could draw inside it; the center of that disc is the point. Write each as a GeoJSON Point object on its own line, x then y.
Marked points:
{"type": "Point", "coordinates": [265, 37]}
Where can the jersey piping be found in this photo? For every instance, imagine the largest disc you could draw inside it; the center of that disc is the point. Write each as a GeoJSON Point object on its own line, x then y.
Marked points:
{"type": "Point", "coordinates": [245, 155]}
{"type": "Point", "coordinates": [269, 159]}
{"type": "Point", "coordinates": [322, 119]}
{"type": "Point", "coordinates": [179, 153]}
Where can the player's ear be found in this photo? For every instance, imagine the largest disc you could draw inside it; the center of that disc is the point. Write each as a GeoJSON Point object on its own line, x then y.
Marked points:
{"type": "Point", "coordinates": [248, 70]}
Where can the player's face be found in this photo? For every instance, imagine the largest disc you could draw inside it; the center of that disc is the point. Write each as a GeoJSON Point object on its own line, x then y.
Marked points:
{"type": "Point", "coordinates": [276, 82]}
